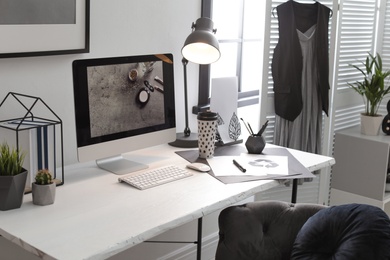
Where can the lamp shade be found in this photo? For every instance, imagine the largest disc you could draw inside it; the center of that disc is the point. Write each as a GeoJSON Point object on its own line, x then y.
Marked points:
{"type": "Point", "coordinates": [201, 46]}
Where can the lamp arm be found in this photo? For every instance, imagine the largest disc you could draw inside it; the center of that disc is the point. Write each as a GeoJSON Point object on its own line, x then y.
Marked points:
{"type": "Point", "coordinates": [187, 130]}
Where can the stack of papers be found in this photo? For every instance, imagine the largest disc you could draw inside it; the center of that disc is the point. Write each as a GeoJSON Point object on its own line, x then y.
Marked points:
{"type": "Point", "coordinates": [252, 165]}
{"type": "Point", "coordinates": [274, 163]}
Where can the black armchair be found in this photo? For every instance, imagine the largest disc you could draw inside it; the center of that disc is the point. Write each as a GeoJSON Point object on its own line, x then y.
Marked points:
{"type": "Point", "coordinates": [280, 230]}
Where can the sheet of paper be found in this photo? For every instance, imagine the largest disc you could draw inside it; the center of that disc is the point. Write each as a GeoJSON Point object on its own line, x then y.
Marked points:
{"type": "Point", "coordinates": [224, 93]}
{"type": "Point", "coordinates": [254, 165]}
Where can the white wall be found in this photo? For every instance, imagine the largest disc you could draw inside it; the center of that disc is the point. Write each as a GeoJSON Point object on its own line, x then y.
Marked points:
{"type": "Point", "coordinates": [118, 28]}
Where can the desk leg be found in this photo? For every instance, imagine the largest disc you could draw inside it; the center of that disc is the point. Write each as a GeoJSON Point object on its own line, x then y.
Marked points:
{"type": "Point", "coordinates": [199, 240]}
{"type": "Point", "coordinates": [294, 191]}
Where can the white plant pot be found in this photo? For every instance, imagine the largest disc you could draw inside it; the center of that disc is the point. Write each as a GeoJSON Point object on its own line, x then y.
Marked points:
{"type": "Point", "coordinates": [43, 194]}
{"type": "Point", "coordinates": [370, 124]}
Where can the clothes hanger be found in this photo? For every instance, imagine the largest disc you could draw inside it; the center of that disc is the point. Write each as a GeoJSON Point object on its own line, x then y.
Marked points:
{"type": "Point", "coordinates": [330, 14]}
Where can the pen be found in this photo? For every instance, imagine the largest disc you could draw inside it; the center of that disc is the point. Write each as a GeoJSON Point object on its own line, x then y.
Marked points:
{"type": "Point", "coordinates": [262, 128]}
{"type": "Point", "coordinates": [239, 166]}
{"type": "Point", "coordinates": [246, 126]}
{"type": "Point", "coordinates": [251, 131]}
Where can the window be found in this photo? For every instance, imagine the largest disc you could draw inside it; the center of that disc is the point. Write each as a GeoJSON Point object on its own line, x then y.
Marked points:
{"type": "Point", "coordinates": [356, 28]}
{"type": "Point", "coordinates": [240, 35]}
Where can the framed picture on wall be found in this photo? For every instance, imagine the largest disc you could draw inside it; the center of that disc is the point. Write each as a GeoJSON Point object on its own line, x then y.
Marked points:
{"type": "Point", "coordinates": [43, 27]}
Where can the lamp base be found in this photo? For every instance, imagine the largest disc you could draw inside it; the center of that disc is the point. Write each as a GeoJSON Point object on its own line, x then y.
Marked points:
{"type": "Point", "coordinates": [185, 141]}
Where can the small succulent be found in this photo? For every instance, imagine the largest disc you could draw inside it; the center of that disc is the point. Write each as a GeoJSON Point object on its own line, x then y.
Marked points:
{"type": "Point", "coordinates": [43, 177]}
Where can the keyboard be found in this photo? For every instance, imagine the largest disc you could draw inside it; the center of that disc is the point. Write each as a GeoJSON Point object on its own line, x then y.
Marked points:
{"type": "Point", "coordinates": [155, 177]}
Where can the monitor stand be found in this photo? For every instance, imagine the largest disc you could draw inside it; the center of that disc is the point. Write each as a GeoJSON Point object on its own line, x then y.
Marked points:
{"type": "Point", "coordinates": [120, 165]}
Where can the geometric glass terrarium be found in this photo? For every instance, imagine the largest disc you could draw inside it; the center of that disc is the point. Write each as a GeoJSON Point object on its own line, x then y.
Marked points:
{"type": "Point", "coordinates": [29, 125]}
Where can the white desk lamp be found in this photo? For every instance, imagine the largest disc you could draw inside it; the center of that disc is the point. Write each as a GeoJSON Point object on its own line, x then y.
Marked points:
{"type": "Point", "coordinates": [200, 47]}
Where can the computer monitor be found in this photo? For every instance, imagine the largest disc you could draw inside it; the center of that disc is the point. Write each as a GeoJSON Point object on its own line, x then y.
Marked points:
{"type": "Point", "coordinates": [123, 104]}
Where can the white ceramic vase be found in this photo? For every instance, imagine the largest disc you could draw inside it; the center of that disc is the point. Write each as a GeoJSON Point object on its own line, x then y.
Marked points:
{"type": "Point", "coordinates": [370, 124]}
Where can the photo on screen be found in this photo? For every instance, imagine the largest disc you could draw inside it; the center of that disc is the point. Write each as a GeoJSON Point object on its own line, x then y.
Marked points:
{"type": "Point", "coordinates": [114, 97]}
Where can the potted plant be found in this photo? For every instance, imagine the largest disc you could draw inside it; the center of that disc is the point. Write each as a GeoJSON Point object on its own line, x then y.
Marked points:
{"type": "Point", "coordinates": [44, 188]}
{"type": "Point", "coordinates": [12, 177]}
{"type": "Point", "coordinates": [373, 88]}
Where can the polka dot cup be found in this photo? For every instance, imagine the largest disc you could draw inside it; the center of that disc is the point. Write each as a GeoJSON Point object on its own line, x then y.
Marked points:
{"type": "Point", "coordinates": [207, 129]}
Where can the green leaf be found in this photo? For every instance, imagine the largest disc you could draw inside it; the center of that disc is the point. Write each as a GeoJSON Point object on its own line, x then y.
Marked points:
{"type": "Point", "coordinates": [11, 160]}
{"type": "Point", "coordinates": [373, 86]}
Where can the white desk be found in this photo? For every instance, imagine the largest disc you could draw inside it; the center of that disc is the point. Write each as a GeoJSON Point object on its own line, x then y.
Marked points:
{"type": "Point", "coordinates": [95, 217]}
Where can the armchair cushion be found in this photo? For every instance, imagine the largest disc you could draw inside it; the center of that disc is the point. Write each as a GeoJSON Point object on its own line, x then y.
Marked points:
{"type": "Point", "coordinates": [351, 231]}
{"type": "Point", "coordinates": [261, 230]}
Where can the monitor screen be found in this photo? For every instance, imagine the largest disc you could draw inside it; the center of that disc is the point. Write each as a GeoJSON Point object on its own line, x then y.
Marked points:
{"type": "Point", "coordinates": [123, 104]}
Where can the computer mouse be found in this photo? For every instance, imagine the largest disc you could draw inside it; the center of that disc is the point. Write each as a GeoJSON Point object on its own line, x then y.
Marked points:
{"type": "Point", "coordinates": [201, 167]}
